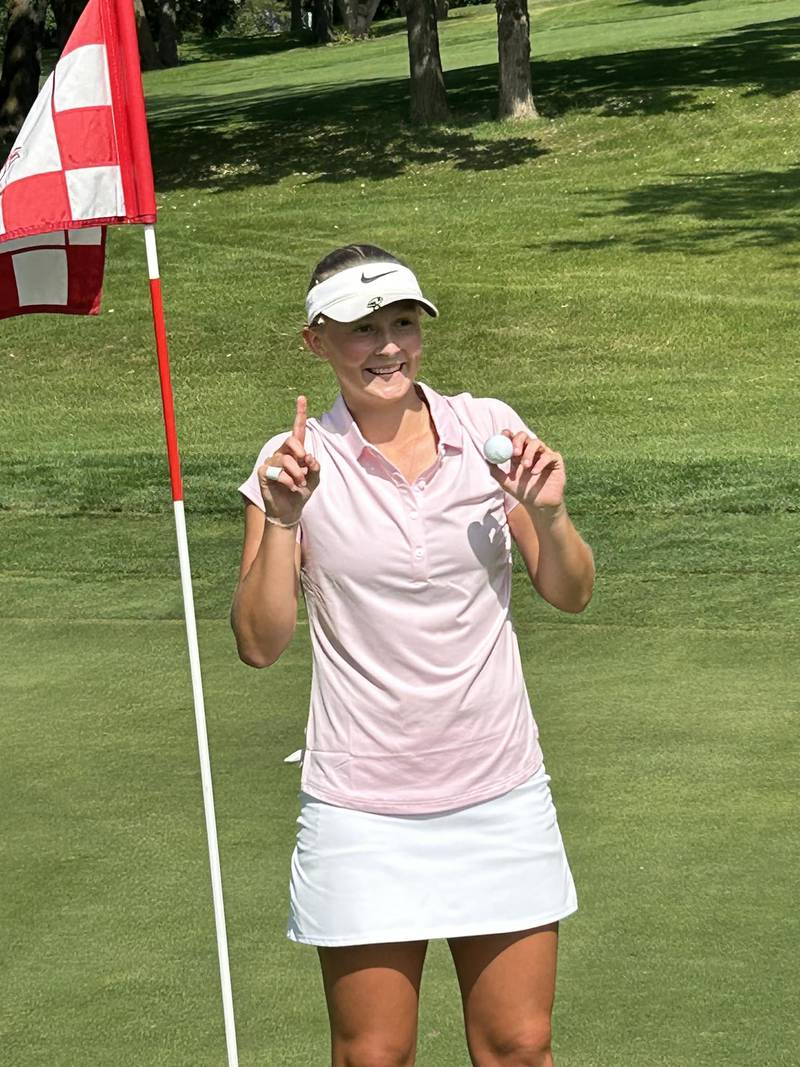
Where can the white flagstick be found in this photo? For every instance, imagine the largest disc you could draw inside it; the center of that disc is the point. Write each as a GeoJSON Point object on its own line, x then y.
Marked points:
{"type": "Point", "coordinates": [191, 636]}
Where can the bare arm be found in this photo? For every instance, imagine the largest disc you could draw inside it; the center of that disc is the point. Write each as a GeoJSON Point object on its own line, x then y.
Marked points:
{"type": "Point", "coordinates": [558, 560]}
{"type": "Point", "coordinates": [264, 610]}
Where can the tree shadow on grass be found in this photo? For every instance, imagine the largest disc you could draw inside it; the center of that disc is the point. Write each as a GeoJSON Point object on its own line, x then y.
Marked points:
{"type": "Point", "coordinates": [211, 50]}
{"type": "Point", "coordinates": [221, 48]}
{"type": "Point", "coordinates": [761, 58]}
{"type": "Point", "coordinates": [340, 132]}
{"type": "Point", "coordinates": [663, 3]}
{"type": "Point", "coordinates": [748, 209]}
{"type": "Point", "coordinates": [326, 135]}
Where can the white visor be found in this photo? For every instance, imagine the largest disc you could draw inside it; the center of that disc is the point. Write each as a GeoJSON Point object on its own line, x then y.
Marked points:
{"type": "Point", "coordinates": [358, 291]}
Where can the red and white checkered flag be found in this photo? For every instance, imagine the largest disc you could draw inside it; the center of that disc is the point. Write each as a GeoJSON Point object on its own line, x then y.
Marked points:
{"type": "Point", "coordinates": [80, 162]}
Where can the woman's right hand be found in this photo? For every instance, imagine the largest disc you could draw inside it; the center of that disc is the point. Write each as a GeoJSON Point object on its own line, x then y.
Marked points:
{"type": "Point", "coordinates": [285, 498]}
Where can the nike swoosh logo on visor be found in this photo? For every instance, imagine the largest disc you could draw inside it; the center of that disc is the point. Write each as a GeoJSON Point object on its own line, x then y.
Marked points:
{"type": "Point", "coordinates": [365, 279]}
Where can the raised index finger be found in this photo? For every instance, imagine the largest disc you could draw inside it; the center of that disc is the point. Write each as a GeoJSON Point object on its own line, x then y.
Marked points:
{"type": "Point", "coordinates": [299, 429]}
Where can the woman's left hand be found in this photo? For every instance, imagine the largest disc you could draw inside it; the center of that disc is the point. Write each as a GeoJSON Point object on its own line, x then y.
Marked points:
{"type": "Point", "coordinates": [537, 475]}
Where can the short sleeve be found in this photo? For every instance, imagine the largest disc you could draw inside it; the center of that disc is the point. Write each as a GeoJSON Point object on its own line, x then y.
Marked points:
{"type": "Point", "coordinates": [504, 417]}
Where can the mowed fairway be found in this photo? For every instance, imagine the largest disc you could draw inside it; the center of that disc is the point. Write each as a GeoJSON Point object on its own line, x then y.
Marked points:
{"type": "Point", "coordinates": [624, 273]}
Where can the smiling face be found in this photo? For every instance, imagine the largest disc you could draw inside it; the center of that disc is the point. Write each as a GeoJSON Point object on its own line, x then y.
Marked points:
{"type": "Point", "coordinates": [375, 358]}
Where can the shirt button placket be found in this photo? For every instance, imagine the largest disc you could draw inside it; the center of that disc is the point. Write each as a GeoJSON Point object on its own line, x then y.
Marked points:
{"type": "Point", "coordinates": [417, 532]}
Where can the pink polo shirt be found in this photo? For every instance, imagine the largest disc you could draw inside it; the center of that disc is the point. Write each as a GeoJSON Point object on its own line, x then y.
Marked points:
{"type": "Point", "coordinates": [418, 701]}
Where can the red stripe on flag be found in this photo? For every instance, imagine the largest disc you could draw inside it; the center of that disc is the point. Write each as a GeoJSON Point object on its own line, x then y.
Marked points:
{"type": "Point", "coordinates": [9, 298]}
{"type": "Point", "coordinates": [85, 278]}
{"type": "Point", "coordinates": [130, 119]}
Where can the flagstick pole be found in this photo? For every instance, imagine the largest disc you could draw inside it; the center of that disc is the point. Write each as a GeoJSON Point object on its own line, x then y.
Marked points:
{"type": "Point", "coordinates": [191, 635]}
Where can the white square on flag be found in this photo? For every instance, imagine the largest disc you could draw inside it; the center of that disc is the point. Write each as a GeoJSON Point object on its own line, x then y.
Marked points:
{"type": "Point", "coordinates": [95, 192]}
{"type": "Point", "coordinates": [56, 238]}
{"type": "Point", "coordinates": [41, 276]}
{"type": "Point", "coordinates": [36, 147]}
{"type": "Point", "coordinates": [81, 79]}
{"type": "Point", "coordinates": [89, 235]}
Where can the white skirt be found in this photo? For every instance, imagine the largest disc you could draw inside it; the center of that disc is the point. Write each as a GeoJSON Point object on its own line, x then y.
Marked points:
{"type": "Point", "coordinates": [361, 878]}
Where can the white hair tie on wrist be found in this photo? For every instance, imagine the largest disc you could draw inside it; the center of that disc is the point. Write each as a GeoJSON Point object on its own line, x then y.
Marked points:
{"type": "Point", "coordinates": [283, 525]}
{"type": "Point", "coordinates": [273, 474]}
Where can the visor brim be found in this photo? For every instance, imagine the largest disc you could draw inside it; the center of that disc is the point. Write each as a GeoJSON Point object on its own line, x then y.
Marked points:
{"type": "Point", "coordinates": [357, 307]}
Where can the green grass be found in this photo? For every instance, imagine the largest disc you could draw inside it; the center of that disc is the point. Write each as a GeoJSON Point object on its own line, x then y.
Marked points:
{"type": "Point", "coordinates": [623, 273]}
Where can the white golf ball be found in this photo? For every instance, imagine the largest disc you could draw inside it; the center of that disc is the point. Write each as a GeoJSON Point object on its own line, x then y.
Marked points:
{"type": "Point", "coordinates": [498, 448]}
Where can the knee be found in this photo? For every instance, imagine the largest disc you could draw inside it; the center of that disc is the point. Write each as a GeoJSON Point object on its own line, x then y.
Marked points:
{"type": "Point", "coordinates": [374, 1053]}
{"type": "Point", "coordinates": [527, 1047]}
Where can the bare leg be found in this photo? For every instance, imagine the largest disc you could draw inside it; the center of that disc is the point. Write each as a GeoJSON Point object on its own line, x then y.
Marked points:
{"type": "Point", "coordinates": [507, 989]}
{"type": "Point", "coordinates": [372, 993]}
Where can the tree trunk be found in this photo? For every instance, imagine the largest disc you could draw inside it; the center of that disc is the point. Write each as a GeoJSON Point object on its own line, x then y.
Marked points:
{"type": "Point", "coordinates": [322, 24]}
{"type": "Point", "coordinates": [167, 33]}
{"type": "Point", "coordinates": [296, 25]}
{"type": "Point", "coordinates": [357, 15]}
{"type": "Point", "coordinates": [22, 64]}
{"type": "Point", "coordinates": [428, 94]}
{"type": "Point", "coordinates": [514, 52]}
{"type": "Point", "coordinates": [442, 8]}
{"type": "Point", "coordinates": [147, 50]}
{"type": "Point", "coordinates": [66, 14]}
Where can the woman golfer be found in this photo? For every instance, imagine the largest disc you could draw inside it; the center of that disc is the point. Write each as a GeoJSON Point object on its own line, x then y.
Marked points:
{"type": "Point", "coordinates": [425, 810]}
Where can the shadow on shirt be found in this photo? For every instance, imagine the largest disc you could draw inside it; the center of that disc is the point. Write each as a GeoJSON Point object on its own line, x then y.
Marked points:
{"type": "Point", "coordinates": [488, 542]}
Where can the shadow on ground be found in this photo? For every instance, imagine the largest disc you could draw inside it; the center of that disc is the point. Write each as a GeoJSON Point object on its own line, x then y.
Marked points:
{"type": "Point", "coordinates": [761, 58]}
{"type": "Point", "coordinates": [329, 134]}
{"type": "Point", "coordinates": [747, 209]}
{"type": "Point", "coordinates": [223, 48]}
{"type": "Point", "coordinates": [339, 133]}
{"type": "Point", "coordinates": [209, 50]}
{"type": "Point", "coordinates": [663, 3]}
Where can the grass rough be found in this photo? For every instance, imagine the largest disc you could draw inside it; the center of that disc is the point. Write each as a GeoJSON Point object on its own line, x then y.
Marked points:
{"type": "Point", "coordinates": [623, 273]}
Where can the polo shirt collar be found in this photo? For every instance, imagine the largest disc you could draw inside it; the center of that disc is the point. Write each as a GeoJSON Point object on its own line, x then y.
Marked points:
{"type": "Point", "coordinates": [340, 421]}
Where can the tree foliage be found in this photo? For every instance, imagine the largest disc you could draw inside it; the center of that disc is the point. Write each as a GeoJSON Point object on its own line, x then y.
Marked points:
{"type": "Point", "coordinates": [207, 16]}
{"type": "Point", "coordinates": [65, 15]}
{"type": "Point", "coordinates": [19, 83]}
